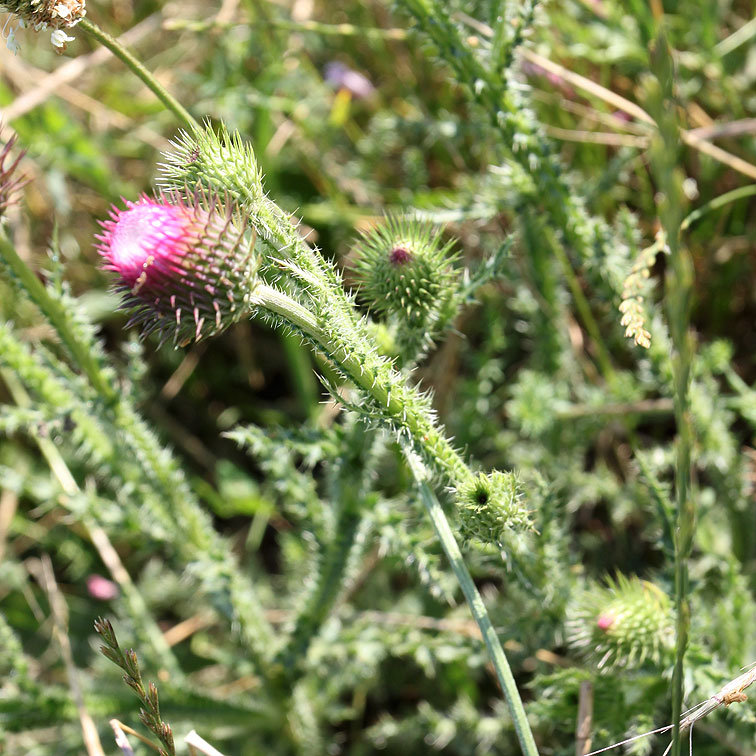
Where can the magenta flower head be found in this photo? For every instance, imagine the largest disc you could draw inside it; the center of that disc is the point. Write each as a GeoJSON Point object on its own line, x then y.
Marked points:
{"type": "Point", "coordinates": [187, 268]}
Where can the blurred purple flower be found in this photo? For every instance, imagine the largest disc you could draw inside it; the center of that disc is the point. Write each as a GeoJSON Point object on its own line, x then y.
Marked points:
{"type": "Point", "coordinates": [101, 588]}
{"type": "Point", "coordinates": [341, 76]}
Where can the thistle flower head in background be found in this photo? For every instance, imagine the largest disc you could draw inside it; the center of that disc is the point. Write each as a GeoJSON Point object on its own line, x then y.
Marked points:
{"type": "Point", "coordinates": [187, 268]}
{"type": "Point", "coordinates": [624, 624]}
{"type": "Point", "coordinates": [57, 15]}
{"type": "Point", "coordinates": [9, 182]}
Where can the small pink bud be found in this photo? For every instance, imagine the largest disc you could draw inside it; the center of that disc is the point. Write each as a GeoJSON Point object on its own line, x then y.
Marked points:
{"type": "Point", "coordinates": [605, 621]}
{"type": "Point", "coordinates": [185, 267]}
{"type": "Point", "coordinates": [101, 588]}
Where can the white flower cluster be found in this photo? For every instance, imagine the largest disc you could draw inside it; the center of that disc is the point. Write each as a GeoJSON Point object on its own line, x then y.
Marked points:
{"type": "Point", "coordinates": [44, 14]}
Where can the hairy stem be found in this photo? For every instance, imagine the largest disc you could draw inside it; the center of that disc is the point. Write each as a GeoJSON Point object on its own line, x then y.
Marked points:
{"type": "Point", "coordinates": [476, 604]}
{"type": "Point", "coordinates": [426, 437]}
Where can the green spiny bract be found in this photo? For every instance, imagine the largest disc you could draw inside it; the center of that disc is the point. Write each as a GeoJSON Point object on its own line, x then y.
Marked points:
{"type": "Point", "coordinates": [406, 273]}
{"type": "Point", "coordinates": [221, 163]}
{"type": "Point", "coordinates": [624, 624]}
{"type": "Point", "coordinates": [489, 505]}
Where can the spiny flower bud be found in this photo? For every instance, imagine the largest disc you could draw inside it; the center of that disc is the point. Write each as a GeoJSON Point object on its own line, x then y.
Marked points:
{"type": "Point", "coordinates": [406, 272]}
{"type": "Point", "coordinates": [9, 184]}
{"type": "Point", "coordinates": [186, 268]}
{"type": "Point", "coordinates": [626, 623]}
{"type": "Point", "coordinates": [489, 506]}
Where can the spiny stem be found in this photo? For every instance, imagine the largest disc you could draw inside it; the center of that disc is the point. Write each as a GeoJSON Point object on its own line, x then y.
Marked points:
{"type": "Point", "coordinates": [425, 435]}
{"type": "Point", "coordinates": [476, 604]}
{"type": "Point", "coordinates": [126, 57]}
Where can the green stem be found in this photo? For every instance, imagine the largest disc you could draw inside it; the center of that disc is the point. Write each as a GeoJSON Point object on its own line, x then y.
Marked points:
{"type": "Point", "coordinates": [170, 102]}
{"type": "Point", "coordinates": [425, 435]}
{"type": "Point", "coordinates": [477, 606]}
{"type": "Point", "coordinates": [678, 292]}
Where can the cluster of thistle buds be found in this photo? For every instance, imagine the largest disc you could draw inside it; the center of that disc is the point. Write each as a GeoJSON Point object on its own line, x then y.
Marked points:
{"type": "Point", "coordinates": [625, 624]}
{"type": "Point", "coordinates": [39, 15]}
{"type": "Point", "coordinates": [189, 264]}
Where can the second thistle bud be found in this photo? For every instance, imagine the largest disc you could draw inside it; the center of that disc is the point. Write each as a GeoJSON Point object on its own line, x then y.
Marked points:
{"type": "Point", "coordinates": [187, 268]}
{"type": "Point", "coordinates": [625, 624]}
{"type": "Point", "coordinates": [405, 272]}
{"type": "Point", "coordinates": [489, 506]}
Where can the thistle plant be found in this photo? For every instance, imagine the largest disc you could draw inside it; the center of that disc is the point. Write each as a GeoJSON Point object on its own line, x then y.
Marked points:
{"type": "Point", "coordinates": [305, 295]}
{"type": "Point", "coordinates": [304, 600]}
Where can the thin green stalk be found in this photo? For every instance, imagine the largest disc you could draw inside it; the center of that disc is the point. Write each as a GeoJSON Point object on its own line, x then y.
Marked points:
{"type": "Point", "coordinates": [476, 604]}
{"type": "Point", "coordinates": [170, 102]}
{"type": "Point", "coordinates": [678, 291]}
{"type": "Point", "coordinates": [723, 199]}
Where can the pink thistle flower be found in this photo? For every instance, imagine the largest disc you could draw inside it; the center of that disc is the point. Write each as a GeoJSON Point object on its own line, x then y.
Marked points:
{"type": "Point", "coordinates": [101, 588]}
{"type": "Point", "coordinates": [186, 268]}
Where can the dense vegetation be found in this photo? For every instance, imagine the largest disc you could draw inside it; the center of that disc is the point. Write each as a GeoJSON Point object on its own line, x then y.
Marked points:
{"type": "Point", "coordinates": [262, 522]}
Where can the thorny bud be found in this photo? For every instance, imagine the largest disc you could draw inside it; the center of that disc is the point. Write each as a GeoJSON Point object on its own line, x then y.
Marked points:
{"type": "Point", "coordinates": [405, 272]}
{"type": "Point", "coordinates": [187, 268]}
{"type": "Point", "coordinates": [57, 15]}
{"type": "Point", "coordinates": [626, 623]}
{"type": "Point", "coordinates": [489, 506]}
